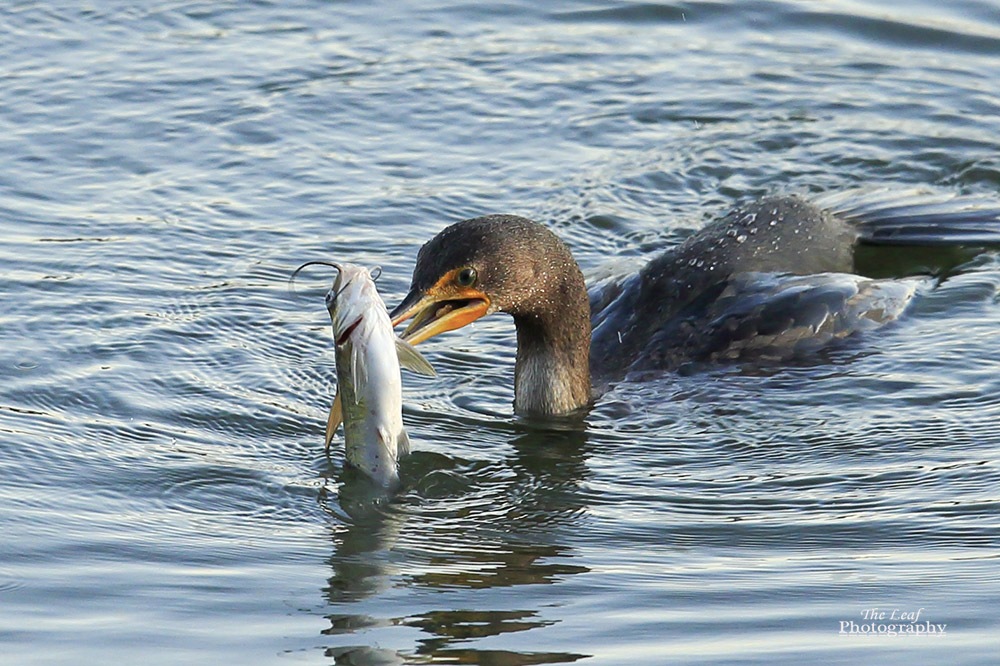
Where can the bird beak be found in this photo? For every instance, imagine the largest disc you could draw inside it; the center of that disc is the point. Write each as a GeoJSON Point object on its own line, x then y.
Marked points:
{"type": "Point", "coordinates": [443, 307]}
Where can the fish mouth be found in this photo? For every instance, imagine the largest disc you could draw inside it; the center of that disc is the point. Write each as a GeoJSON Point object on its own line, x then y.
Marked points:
{"type": "Point", "coordinates": [433, 314]}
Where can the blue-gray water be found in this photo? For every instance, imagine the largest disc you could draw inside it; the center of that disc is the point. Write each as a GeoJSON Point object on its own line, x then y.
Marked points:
{"type": "Point", "coordinates": [164, 498]}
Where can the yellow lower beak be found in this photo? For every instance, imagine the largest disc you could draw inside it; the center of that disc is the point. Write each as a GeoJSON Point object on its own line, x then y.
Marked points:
{"type": "Point", "coordinates": [433, 315]}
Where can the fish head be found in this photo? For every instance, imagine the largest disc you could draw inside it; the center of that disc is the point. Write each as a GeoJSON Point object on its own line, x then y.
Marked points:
{"type": "Point", "coordinates": [352, 296]}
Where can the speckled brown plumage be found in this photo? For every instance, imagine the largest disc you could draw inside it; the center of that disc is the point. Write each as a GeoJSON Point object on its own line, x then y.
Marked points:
{"type": "Point", "coordinates": [530, 274]}
{"type": "Point", "coordinates": [784, 235]}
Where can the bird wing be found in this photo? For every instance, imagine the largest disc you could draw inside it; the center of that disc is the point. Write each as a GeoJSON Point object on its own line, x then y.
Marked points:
{"type": "Point", "coordinates": [768, 316]}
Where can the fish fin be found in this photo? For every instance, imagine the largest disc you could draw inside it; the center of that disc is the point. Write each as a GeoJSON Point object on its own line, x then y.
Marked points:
{"type": "Point", "coordinates": [386, 470]}
{"type": "Point", "coordinates": [402, 443]}
{"type": "Point", "coordinates": [334, 419]}
{"type": "Point", "coordinates": [413, 360]}
{"type": "Point", "coordinates": [359, 373]}
{"type": "Point", "coordinates": [383, 436]}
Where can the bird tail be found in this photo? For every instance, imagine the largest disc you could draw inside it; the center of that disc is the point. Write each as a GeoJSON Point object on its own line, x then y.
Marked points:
{"type": "Point", "coordinates": [918, 218]}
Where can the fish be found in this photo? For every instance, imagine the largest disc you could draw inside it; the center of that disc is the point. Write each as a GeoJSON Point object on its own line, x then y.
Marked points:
{"type": "Point", "coordinates": [368, 357]}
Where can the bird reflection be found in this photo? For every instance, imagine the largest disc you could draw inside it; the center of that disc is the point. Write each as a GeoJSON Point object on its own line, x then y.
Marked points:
{"type": "Point", "coordinates": [457, 527]}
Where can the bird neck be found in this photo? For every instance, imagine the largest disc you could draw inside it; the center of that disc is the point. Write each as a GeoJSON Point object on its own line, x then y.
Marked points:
{"type": "Point", "coordinates": [552, 370]}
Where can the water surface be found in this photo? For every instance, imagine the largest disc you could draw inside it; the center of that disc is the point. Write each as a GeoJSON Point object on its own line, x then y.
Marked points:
{"type": "Point", "coordinates": [164, 497]}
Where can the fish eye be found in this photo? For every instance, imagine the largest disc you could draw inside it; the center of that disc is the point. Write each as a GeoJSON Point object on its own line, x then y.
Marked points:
{"type": "Point", "coordinates": [331, 298]}
{"type": "Point", "coordinates": [466, 277]}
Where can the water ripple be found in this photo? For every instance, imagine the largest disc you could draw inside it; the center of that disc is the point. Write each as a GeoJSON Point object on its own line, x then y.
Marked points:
{"type": "Point", "coordinates": [163, 395]}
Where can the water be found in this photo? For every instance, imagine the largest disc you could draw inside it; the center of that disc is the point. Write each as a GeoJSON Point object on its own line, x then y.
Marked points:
{"type": "Point", "coordinates": [164, 498]}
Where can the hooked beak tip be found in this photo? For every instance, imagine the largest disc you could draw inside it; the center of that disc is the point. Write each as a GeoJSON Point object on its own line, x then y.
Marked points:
{"type": "Point", "coordinates": [405, 309]}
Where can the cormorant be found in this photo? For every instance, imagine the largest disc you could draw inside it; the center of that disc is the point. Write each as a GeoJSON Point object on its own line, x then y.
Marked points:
{"type": "Point", "coordinates": [770, 279]}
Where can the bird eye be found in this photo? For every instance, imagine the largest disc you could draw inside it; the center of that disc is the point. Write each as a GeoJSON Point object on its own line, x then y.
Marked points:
{"type": "Point", "coordinates": [466, 277]}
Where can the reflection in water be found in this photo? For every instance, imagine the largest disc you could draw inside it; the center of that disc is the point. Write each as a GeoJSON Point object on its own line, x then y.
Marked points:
{"type": "Point", "coordinates": [459, 527]}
